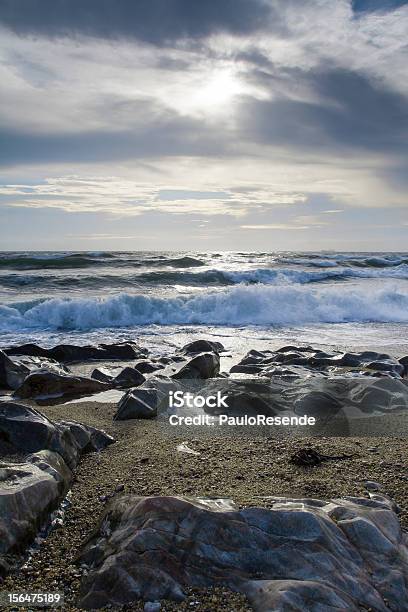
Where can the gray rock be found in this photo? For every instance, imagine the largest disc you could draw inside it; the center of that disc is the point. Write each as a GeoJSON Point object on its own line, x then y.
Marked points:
{"type": "Point", "coordinates": [301, 554]}
{"type": "Point", "coordinates": [146, 367]}
{"type": "Point", "coordinates": [29, 431]}
{"type": "Point", "coordinates": [202, 346]}
{"type": "Point", "coordinates": [204, 365]}
{"type": "Point", "coordinates": [138, 404]}
{"type": "Point", "coordinates": [42, 384]}
{"type": "Point", "coordinates": [11, 374]}
{"type": "Point", "coordinates": [371, 485]}
{"type": "Point", "coordinates": [28, 492]}
{"type": "Point", "coordinates": [129, 377]}
{"type": "Point", "coordinates": [72, 352]}
{"type": "Point", "coordinates": [31, 489]}
{"type": "Point", "coordinates": [105, 375]}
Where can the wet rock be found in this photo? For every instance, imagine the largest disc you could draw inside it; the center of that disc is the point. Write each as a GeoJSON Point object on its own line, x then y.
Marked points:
{"type": "Point", "coordinates": [404, 362]}
{"type": "Point", "coordinates": [298, 596]}
{"type": "Point", "coordinates": [129, 377]}
{"type": "Point", "coordinates": [204, 365]}
{"type": "Point", "coordinates": [28, 492]}
{"type": "Point", "coordinates": [350, 553]}
{"type": "Point", "coordinates": [71, 352]}
{"type": "Point", "coordinates": [105, 375]}
{"type": "Point", "coordinates": [250, 368]}
{"type": "Point", "coordinates": [146, 367]}
{"type": "Point", "coordinates": [202, 346]}
{"type": "Point", "coordinates": [11, 374]}
{"type": "Point", "coordinates": [138, 404]}
{"type": "Point", "coordinates": [321, 361]}
{"type": "Point", "coordinates": [32, 488]}
{"type": "Point", "coordinates": [371, 485]}
{"type": "Point", "coordinates": [43, 383]}
{"type": "Point", "coordinates": [29, 431]}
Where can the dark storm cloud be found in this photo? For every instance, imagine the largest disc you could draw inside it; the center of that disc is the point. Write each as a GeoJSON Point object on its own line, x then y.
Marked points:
{"type": "Point", "coordinates": [353, 112]}
{"type": "Point", "coordinates": [175, 137]}
{"type": "Point", "coordinates": [155, 21]}
{"type": "Point", "coordinates": [376, 5]}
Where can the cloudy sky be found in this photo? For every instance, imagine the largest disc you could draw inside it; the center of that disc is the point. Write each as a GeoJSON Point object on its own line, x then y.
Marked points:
{"type": "Point", "coordinates": [203, 124]}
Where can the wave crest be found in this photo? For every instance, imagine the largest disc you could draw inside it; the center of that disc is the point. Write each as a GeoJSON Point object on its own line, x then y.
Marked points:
{"type": "Point", "coordinates": [240, 305]}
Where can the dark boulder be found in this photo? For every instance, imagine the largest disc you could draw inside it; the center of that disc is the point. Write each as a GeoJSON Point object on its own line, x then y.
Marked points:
{"type": "Point", "coordinates": [43, 384]}
{"type": "Point", "coordinates": [147, 367]}
{"type": "Point", "coordinates": [105, 375]}
{"type": "Point", "coordinates": [72, 352]}
{"type": "Point", "coordinates": [204, 365]}
{"type": "Point", "coordinates": [129, 377]}
{"type": "Point", "coordinates": [28, 431]}
{"type": "Point", "coordinates": [11, 374]}
{"type": "Point", "coordinates": [31, 489]}
{"type": "Point", "coordinates": [138, 404]}
{"type": "Point", "coordinates": [202, 346]}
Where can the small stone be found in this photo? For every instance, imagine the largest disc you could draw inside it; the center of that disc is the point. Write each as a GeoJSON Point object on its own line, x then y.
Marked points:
{"type": "Point", "coordinates": [371, 485]}
{"type": "Point", "coordinates": [119, 488]}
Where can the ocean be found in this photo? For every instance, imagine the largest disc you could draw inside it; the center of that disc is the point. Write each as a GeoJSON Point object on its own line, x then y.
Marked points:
{"type": "Point", "coordinates": [245, 299]}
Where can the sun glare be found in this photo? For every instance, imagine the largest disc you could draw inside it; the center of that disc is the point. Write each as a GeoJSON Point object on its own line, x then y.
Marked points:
{"type": "Point", "coordinates": [215, 91]}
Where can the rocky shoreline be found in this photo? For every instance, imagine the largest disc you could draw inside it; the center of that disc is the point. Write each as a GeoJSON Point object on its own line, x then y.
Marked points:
{"type": "Point", "coordinates": [147, 470]}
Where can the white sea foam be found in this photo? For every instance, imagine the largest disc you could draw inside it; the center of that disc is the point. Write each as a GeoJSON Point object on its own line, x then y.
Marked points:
{"type": "Point", "coordinates": [239, 305]}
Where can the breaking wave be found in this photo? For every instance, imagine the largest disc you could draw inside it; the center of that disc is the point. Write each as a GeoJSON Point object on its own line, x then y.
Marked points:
{"type": "Point", "coordinates": [240, 305]}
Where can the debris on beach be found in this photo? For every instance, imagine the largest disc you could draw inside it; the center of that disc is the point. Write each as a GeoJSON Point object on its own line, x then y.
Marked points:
{"type": "Point", "coordinates": [311, 457]}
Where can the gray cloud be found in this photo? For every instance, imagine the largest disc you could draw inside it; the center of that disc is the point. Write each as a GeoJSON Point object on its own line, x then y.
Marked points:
{"type": "Point", "coordinates": [351, 112]}
{"type": "Point", "coordinates": [376, 5]}
{"type": "Point", "coordinates": [154, 21]}
{"type": "Point", "coordinates": [178, 136]}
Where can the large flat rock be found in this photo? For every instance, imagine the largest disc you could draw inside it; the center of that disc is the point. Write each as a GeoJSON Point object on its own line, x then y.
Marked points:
{"type": "Point", "coordinates": [301, 554]}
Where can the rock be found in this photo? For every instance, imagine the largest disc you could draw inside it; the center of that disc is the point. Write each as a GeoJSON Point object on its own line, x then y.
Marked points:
{"type": "Point", "coordinates": [371, 485]}
{"type": "Point", "coordinates": [204, 365]}
{"type": "Point", "coordinates": [11, 374]}
{"type": "Point", "coordinates": [42, 363]}
{"type": "Point", "coordinates": [146, 367]}
{"type": "Point", "coordinates": [320, 361]}
{"type": "Point", "coordinates": [28, 492]}
{"type": "Point", "coordinates": [43, 384]}
{"type": "Point", "coordinates": [138, 404]}
{"type": "Point", "coordinates": [301, 554]}
{"type": "Point", "coordinates": [404, 362]}
{"type": "Point", "coordinates": [72, 352]}
{"type": "Point", "coordinates": [29, 431]}
{"type": "Point", "coordinates": [297, 596]}
{"type": "Point", "coordinates": [104, 375]}
{"type": "Point", "coordinates": [250, 368]}
{"type": "Point", "coordinates": [202, 346]}
{"type": "Point", "coordinates": [129, 377]}
{"type": "Point", "coordinates": [31, 489]}
{"type": "Point", "coordinates": [318, 404]}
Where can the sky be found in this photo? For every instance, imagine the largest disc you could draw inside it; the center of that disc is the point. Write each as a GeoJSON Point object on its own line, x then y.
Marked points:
{"type": "Point", "coordinates": [204, 125]}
